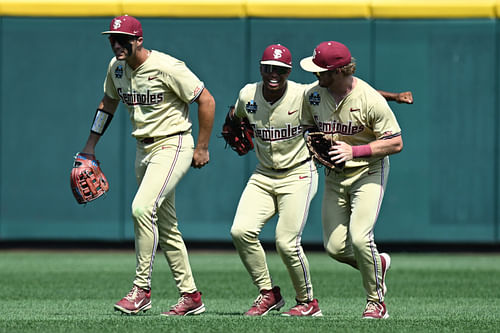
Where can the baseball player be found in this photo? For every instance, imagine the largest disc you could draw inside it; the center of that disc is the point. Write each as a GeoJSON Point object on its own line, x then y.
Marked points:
{"type": "Point", "coordinates": [284, 182]}
{"type": "Point", "coordinates": [156, 90]}
{"type": "Point", "coordinates": [367, 132]}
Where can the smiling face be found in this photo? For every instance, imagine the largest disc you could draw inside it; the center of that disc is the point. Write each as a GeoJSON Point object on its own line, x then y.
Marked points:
{"type": "Point", "coordinates": [274, 77]}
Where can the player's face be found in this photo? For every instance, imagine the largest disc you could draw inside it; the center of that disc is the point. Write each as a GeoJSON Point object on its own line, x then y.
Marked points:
{"type": "Point", "coordinates": [123, 46]}
{"type": "Point", "coordinates": [326, 79]}
{"type": "Point", "coordinates": [274, 77]}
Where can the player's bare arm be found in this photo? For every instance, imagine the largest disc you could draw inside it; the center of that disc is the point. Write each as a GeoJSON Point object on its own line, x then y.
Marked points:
{"type": "Point", "coordinates": [231, 112]}
{"type": "Point", "coordinates": [402, 97]}
{"type": "Point", "coordinates": [206, 114]}
{"type": "Point", "coordinates": [109, 105]}
{"type": "Point", "coordinates": [343, 152]}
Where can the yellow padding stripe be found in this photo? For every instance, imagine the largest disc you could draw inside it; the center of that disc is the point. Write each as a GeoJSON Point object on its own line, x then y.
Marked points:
{"type": "Point", "coordinates": [255, 8]}
{"type": "Point", "coordinates": [185, 8]}
{"type": "Point", "coordinates": [309, 9]}
{"type": "Point", "coordinates": [59, 8]}
{"type": "Point", "coordinates": [434, 8]}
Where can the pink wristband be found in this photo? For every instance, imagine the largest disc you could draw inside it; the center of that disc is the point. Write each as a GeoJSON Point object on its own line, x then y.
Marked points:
{"type": "Point", "coordinates": [361, 151]}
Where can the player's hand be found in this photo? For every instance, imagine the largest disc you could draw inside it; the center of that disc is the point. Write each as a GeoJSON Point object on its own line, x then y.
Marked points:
{"type": "Point", "coordinates": [340, 152]}
{"type": "Point", "coordinates": [405, 97]}
{"type": "Point", "coordinates": [201, 157]}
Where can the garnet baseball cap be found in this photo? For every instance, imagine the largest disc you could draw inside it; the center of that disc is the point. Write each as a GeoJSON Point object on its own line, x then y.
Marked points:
{"type": "Point", "coordinates": [277, 55]}
{"type": "Point", "coordinates": [326, 57]}
{"type": "Point", "coordinates": [125, 25]}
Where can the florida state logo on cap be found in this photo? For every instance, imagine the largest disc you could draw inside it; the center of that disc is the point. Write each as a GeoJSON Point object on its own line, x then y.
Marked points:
{"type": "Point", "coordinates": [277, 55]}
{"type": "Point", "coordinates": [126, 25]}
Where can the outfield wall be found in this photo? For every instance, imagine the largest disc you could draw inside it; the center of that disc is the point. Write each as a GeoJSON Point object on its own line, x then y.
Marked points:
{"type": "Point", "coordinates": [443, 187]}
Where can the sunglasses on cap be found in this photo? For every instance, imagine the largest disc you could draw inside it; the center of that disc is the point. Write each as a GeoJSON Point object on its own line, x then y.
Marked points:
{"type": "Point", "coordinates": [276, 69]}
{"type": "Point", "coordinates": [123, 40]}
{"type": "Point", "coordinates": [318, 74]}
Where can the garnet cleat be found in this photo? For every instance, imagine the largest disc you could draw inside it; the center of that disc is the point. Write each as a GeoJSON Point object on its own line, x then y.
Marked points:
{"type": "Point", "coordinates": [375, 310]}
{"type": "Point", "coordinates": [386, 264]}
{"type": "Point", "coordinates": [188, 304]}
{"type": "Point", "coordinates": [303, 309]}
{"type": "Point", "coordinates": [266, 301]}
{"type": "Point", "coordinates": [136, 300]}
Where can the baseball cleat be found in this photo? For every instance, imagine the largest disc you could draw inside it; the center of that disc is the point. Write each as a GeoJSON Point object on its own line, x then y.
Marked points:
{"type": "Point", "coordinates": [375, 310]}
{"type": "Point", "coordinates": [386, 264]}
{"type": "Point", "coordinates": [266, 301]}
{"type": "Point", "coordinates": [188, 304]}
{"type": "Point", "coordinates": [302, 309]}
{"type": "Point", "coordinates": [136, 300]}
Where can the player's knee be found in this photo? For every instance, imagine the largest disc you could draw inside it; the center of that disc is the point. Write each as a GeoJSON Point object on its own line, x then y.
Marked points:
{"type": "Point", "coordinates": [334, 250]}
{"type": "Point", "coordinates": [237, 233]}
{"type": "Point", "coordinates": [139, 212]}
{"type": "Point", "coordinates": [240, 234]}
{"type": "Point", "coordinates": [286, 248]}
{"type": "Point", "coordinates": [359, 243]}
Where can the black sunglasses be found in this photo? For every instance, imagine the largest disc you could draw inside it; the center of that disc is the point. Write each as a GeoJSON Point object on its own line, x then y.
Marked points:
{"type": "Point", "coordinates": [276, 69]}
{"type": "Point", "coordinates": [318, 74]}
{"type": "Point", "coordinates": [123, 40]}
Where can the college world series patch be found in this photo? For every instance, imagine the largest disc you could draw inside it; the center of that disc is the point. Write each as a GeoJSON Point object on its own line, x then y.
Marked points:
{"type": "Point", "coordinates": [251, 107]}
{"type": "Point", "coordinates": [314, 98]}
{"type": "Point", "coordinates": [119, 72]}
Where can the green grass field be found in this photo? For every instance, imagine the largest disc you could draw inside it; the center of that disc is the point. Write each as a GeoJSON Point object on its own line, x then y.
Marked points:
{"type": "Point", "coordinates": [75, 292]}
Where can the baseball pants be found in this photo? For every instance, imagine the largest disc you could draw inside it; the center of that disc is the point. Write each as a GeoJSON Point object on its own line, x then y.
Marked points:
{"type": "Point", "coordinates": [159, 167]}
{"type": "Point", "coordinates": [289, 195]}
{"type": "Point", "coordinates": [351, 205]}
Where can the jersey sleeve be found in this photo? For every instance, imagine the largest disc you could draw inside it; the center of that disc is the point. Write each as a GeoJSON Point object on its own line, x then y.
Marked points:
{"type": "Point", "coordinates": [239, 106]}
{"type": "Point", "coordinates": [109, 85]}
{"type": "Point", "coordinates": [306, 116]}
{"type": "Point", "coordinates": [384, 122]}
{"type": "Point", "coordinates": [184, 83]}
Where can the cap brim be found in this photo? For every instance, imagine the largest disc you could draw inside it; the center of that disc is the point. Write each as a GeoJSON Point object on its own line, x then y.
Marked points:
{"type": "Point", "coordinates": [117, 33]}
{"type": "Point", "coordinates": [275, 63]}
{"type": "Point", "coordinates": [309, 66]}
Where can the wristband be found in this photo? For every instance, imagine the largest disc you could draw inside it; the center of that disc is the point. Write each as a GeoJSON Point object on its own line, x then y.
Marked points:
{"type": "Point", "coordinates": [361, 151]}
{"type": "Point", "coordinates": [86, 155]}
{"type": "Point", "coordinates": [101, 122]}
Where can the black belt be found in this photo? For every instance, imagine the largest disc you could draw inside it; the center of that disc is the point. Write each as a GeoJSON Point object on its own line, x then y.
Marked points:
{"type": "Point", "coordinates": [290, 168]}
{"type": "Point", "coordinates": [152, 139]}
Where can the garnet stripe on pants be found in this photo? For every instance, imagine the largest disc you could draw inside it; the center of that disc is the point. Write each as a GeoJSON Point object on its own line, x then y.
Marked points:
{"type": "Point", "coordinates": [298, 241]}
{"type": "Point", "coordinates": [155, 207]}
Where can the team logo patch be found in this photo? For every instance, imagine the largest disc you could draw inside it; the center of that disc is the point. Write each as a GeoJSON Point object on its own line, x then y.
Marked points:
{"type": "Point", "coordinates": [251, 107]}
{"type": "Point", "coordinates": [314, 98]}
{"type": "Point", "coordinates": [119, 72]}
{"type": "Point", "coordinates": [277, 54]}
{"type": "Point", "coordinates": [196, 91]}
{"type": "Point", "coordinates": [387, 133]}
{"type": "Point", "coordinates": [117, 24]}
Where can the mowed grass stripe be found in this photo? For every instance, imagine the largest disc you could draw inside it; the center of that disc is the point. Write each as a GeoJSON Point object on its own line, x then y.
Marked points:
{"type": "Point", "coordinates": [75, 292]}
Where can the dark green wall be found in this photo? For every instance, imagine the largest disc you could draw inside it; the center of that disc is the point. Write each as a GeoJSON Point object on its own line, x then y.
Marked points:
{"type": "Point", "coordinates": [443, 187]}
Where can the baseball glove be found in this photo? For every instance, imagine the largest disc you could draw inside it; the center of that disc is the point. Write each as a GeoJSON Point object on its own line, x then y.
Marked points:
{"type": "Point", "coordinates": [238, 134]}
{"type": "Point", "coordinates": [319, 145]}
{"type": "Point", "coordinates": [87, 179]}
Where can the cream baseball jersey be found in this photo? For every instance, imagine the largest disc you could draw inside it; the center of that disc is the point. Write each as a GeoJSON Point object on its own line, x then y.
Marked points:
{"type": "Point", "coordinates": [278, 134]}
{"type": "Point", "coordinates": [361, 117]}
{"type": "Point", "coordinates": [157, 94]}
